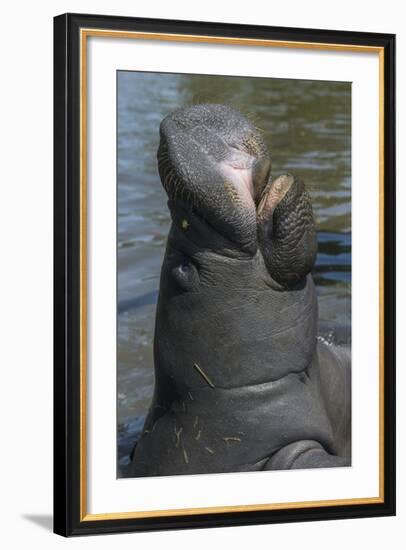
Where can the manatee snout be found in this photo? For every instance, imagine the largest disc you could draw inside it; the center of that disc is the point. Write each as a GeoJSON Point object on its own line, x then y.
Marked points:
{"type": "Point", "coordinates": [214, 162]}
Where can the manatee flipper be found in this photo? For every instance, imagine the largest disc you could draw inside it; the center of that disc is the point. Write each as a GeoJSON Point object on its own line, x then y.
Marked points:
{"type": "Point", "coordinates": [304, 454]}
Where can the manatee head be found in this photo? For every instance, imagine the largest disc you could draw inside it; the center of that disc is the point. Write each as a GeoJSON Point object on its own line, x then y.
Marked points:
{"type": "Point", "coordinates": [214, 160]}
{"type": "Point", "coordinates": [216, 170]}
{"type": "Point", "coordinates": [236, 292]}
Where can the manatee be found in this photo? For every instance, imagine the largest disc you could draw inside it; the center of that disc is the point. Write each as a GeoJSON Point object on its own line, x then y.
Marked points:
{"type": "Point", "coordinates": [242, 380]}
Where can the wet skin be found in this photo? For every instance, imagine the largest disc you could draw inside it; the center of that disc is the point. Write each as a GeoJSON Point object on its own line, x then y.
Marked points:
{"type": "Point", "coordinates": [242, 382]}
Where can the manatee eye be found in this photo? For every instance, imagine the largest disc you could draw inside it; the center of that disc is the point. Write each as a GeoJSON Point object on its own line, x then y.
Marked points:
{"type": "Point", "coordinates": [185, 270]}
{"type": "Point", "coordinates": [186, 275]}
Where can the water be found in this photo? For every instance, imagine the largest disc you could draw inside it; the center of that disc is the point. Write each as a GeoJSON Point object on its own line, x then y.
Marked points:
{"type": "Point", "coordinates": [307, 125]}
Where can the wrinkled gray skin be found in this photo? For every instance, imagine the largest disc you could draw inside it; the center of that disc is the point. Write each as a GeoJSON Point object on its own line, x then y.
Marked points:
{"type": "Point", "coordinates": [242, 382]}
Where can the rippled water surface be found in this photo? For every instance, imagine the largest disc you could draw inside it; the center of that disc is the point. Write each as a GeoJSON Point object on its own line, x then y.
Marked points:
{"type": "Point", "coordinates": [307, 125]}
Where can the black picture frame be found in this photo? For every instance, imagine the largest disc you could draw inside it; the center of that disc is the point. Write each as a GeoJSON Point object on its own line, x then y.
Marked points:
{"type": "Point", "coordinates": [68, 519]}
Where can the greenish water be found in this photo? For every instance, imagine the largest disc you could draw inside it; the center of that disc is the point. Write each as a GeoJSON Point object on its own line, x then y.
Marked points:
{"type": "Point", "coordinates": [307, 125]}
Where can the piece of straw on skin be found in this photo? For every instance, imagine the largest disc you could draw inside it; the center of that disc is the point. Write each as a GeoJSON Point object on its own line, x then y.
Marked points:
{"type": "Point", "coordinates": [185, 456]}
{"type": "Point", "coordinates": [204, 375]}
{"type": "Point", "coordinates": [153, 428]}
{"type": "Point", "coordinates": [177, 434]}
{"type": "Point", "coordinates": [228, 439]}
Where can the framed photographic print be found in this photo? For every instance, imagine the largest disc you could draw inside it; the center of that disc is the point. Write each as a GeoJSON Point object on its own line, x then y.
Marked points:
{"type": "Point", "coordinates": [224, 274]}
